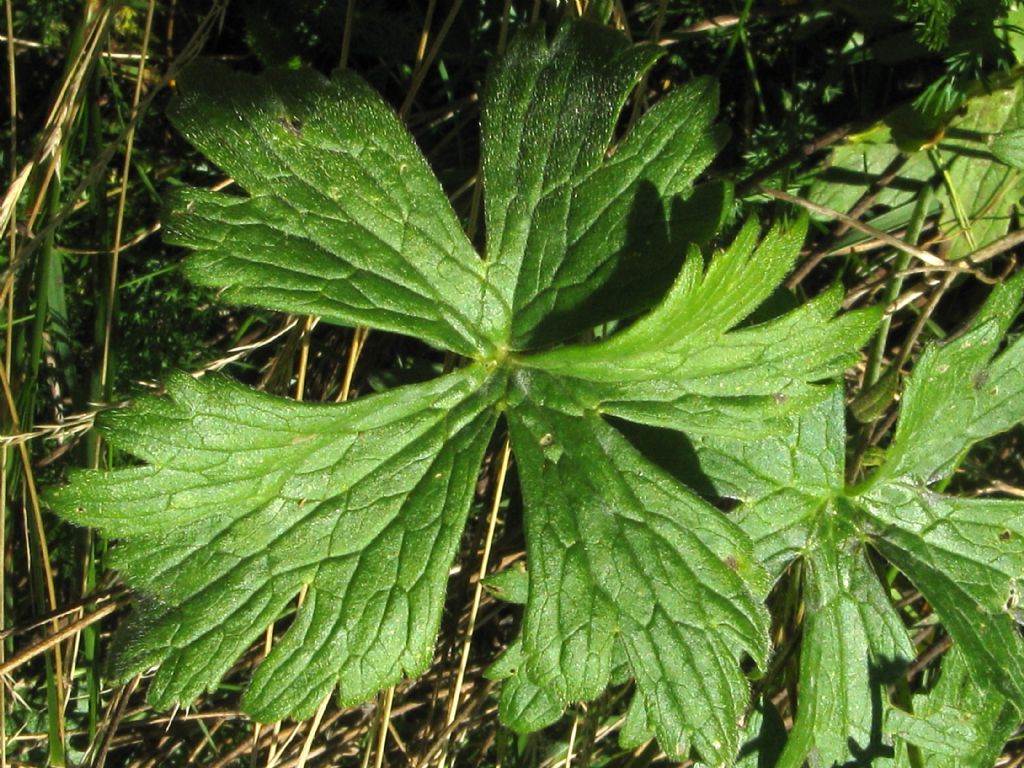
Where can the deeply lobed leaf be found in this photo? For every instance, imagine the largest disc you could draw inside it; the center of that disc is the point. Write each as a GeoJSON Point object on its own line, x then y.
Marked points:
{"type": "Point", "coordinates": [618, 550]}
{"type": "Point", "coordinates": [342, 217]}
{"type": "Point", "coordinates": [854, 645]}
{"type": "Point", "coordinates": [686, 366]}
{"type": "Point", "coordinates": [247, 499]}
{"type": "Point", "coordinates": [575, 238]}
{"type": "Point", "coordinates": [967, 557]}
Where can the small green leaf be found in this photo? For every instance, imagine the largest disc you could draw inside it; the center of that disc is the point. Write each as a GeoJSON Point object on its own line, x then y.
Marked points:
{"type": "Point", "coordinates": [974, 395]}
{"type": "Point", "coordinates": [854, 645]}
{"type": "Point", "coordinates": [636, 729]}
{"type": "Point", "coordinates": [524, 706]}
{"type": "Point", "coordinates": [511, 585]}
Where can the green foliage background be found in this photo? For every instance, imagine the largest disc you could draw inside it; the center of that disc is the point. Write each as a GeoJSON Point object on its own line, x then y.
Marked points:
{"type": "Point", "coordinates": [903, 115]}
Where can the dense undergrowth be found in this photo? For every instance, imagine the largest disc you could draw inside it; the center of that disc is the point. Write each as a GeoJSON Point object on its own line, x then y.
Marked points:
{"type": "Point", "coordinates": [838, 478]}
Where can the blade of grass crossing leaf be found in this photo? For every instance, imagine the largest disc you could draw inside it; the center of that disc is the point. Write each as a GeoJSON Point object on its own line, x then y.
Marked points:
{"type": "Point", "coordinates": [922, 204]}
{"type": "Point", "coordinates": [959, 213]}
{"type": "Point", "coordinates": [492, 521]}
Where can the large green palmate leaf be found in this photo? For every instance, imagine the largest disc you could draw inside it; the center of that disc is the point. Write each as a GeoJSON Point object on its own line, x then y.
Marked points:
{"type": "Point", "coordinates": [245, 501]}
{"type": "Point", "coordinates": [965, 555]}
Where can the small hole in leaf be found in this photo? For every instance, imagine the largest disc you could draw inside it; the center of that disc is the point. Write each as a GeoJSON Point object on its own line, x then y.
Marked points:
{"type": "Point", "coordinates": [1005, 535]}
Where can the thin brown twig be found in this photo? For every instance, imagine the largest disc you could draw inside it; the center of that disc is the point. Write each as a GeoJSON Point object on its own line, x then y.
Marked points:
{"type": "Point", "coordinates": [51, 641]}
{"type": "Point", "coordinates": [73, 607]}
{"type": "Point", "coordinates": [44, 548]}
{"type": "Point", "coordinates": [424, 64]}
{"type": "Point", "coordinates": [919, 253]}
{"type": "Point", "coordinates": [141, 237]}
{"type": "Point", "coordinates": [18, 42]}
{"type": "Point", "coordinates": [928, 657]}
{"type": "Point", "coordinates": [485, 558]}
{"type": "Point", "coordinates": [116, 715]}
{"type": "Point", "coordinates": [78, 423]}
{"type": "Point", "coordinates": [997, 247]}
{"type": "Point", "coordinates": [859, 209]}
{"type": "Point", "coordinates": [802, 152]}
